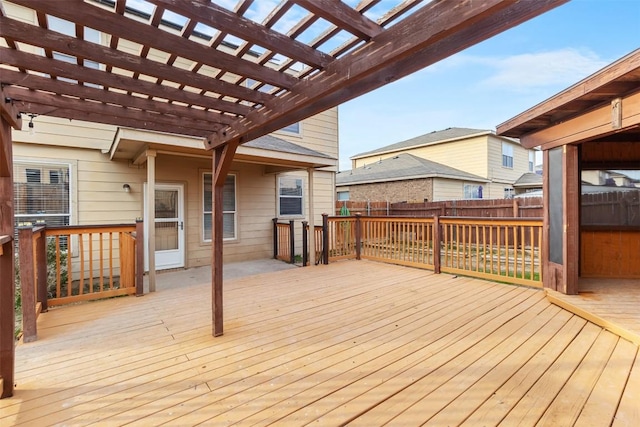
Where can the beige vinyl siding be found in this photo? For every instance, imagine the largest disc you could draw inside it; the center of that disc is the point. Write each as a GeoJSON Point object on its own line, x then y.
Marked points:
{"type": "Point", "coordinates": [447, 189]}
{"type": "Point", "coordinates": [319, 133]}
{"type": "Point", "coordinates": [52, 131]}
{"type": "Point", "coordinates": [503, 174]}
{"type": "Point", "coordinates": [469, 155]}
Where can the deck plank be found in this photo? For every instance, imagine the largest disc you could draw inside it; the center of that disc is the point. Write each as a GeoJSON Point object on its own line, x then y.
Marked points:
{"type": "Point", "coordinates": [355, 341]}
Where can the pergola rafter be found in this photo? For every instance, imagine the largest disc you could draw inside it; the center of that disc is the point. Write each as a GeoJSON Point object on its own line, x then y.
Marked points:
{"type": "Point", "coordinates": [194, 67]}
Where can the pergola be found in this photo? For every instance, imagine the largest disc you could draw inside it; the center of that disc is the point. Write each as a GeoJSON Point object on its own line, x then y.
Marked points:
{"type": "Point", "coordinates": [243, 78]}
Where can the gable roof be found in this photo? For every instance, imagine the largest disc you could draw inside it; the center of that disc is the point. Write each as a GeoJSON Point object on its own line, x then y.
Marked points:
{"type": "Point", "coordinates": [432, 138]}
{"type": "Point", "coordinates": [402, 167]}
{"type": "Point", "coordinates": [270, 142]}
{"type": "Point", "coordinates": [529, 180]}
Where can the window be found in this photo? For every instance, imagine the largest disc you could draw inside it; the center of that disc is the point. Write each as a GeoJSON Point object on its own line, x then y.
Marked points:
{"type": "Point", "coordinates": [229, 207]}
{"type": "Point", "coordinates": [472, 191]}
{"type": "Point", "coordinates": [532, 160]}
{"type": "Point", "coordinates": [41, 193]}
{"type": "Point", "coordinates": [289, 196]}
{"type": "Point", "coordinates": [292, 128]}
{"type": "Point", "coordinates": [343, 195]}
{"type": "Point", "coordinates": [507, 155]}
{"type": "Point", "coordinates": [508, 193]}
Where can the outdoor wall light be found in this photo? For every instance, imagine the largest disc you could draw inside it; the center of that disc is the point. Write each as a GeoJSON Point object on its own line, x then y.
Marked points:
{"type": "Point", "coordinates": [127, 188]}
{"type": "Point", "coordinates": [32, 129]}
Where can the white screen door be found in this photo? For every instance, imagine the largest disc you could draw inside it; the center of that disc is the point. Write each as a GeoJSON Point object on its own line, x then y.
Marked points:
{"type": "Point", "coordinates": [169, 226]}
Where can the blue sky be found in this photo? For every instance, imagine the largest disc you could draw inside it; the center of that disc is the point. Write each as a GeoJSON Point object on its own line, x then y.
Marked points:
{"type": "Point", "coordinates": [493, 81]}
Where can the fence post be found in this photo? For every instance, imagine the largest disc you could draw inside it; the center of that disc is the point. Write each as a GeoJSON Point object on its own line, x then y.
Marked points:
{"type": "Point", "coordinates": [358, 235]}
{"type": "Point", "coordinates": [325, 239]}
{"type": "Point", "coordinates": [139, 257]}
{"type": "Point", "coordinates": [41, 269]}
{"type": "Point", "coordinates": [292, 242]}
{"type": "Point", "coordinates": [27, 284]}
{"type": "Point", "coordinates": [516, 208]}
{"type": "Point", "coordinates": [305, 243]}
{"type": "Point", "coordinates": [437, 238]}
{"type": "Point", "coordinates": [275, 238]}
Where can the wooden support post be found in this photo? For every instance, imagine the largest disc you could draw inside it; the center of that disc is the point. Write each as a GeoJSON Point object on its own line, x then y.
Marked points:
{"type": "Point", "coordinates": [516, 208]}
{"type": "Point", "coordinates": [305, 243]}
{"type": "Point", "coordinates": [27, 284]}
{"type": "Point", "coordinates": [275, 238]}
{"type": "Point", "coordinates": [437, 238]}
{"type": "Point", "coordinates": [325, 239]}
{"type": "Point", "coordinates": [292, 242]}
{"type": "Point", "coordinates": [358, 235]}
{"type": "Point", "coordinates": [7, 259]}
{"type": "Point", "coordinates": [151, 217]}
{"type": "Point", "coordinates": [41, 269]}
{"type": "Point", "coordinates": [571, 219]}
{"type": "Point", "coordinates": [312, 222]}
{"type": "Point", "coordinates": [139, 257]}
{"type": "Point", "coordinates": [221, 163]}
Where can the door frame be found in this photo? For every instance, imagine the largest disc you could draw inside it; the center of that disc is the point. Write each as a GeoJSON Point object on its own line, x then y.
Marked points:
{"type": "Point", "coordinates": [180, 254]}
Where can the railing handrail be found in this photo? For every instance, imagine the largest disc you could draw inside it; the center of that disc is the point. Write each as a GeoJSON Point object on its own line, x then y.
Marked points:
{"type": "Point", "coordinates": [80, 229]}
{"type": "Point", "coordinates": [5, 239]}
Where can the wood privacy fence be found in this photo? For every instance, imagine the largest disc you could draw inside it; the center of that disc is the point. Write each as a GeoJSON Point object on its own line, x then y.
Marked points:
{"type": "Point", "coordinates": [528, 207]}
{"type": "Point", "coordinates": [61, 265]}
{"type": "Point", "coordinates": [501, 249]}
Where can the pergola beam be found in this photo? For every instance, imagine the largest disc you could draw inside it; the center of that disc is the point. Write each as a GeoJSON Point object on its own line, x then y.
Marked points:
{"type": "Point", "coordinates": [231, 23]}
{"type": "Point", "coordinates": [388, 57]}
{"type": "Point", "coordinates": [110, 57]}
{"type": "Point", "coordinates": [343, 17]}
{"type": "Point", "coordinates": [102, 78]}
{"type": "Point", "coordinates": [87, 15]}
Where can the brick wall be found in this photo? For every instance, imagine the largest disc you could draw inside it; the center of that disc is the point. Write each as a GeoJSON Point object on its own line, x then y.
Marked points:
{"type": "Point", "coordinates": [416, 190]}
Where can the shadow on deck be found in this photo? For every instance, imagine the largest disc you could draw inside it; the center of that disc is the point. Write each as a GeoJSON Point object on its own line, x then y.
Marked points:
{"type": "Point", "coordinates": [352, 342]}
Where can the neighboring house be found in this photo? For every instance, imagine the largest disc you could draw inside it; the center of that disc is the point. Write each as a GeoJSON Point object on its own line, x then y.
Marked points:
{"type": "Point", "coordinates": [528, 184]}
{"type": "Point", "coordinates": [608, 178]}
{"type": "Point", "coordinates": [82, 173]}
{"type": "Point", "coordinates": [496, 160]}
{"type": "Point", "coordinates": [407, 178]}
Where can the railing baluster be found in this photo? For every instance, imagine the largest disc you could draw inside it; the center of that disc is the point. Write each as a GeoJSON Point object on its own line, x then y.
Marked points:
{"type": "Point", "coordinates": [101, 265]}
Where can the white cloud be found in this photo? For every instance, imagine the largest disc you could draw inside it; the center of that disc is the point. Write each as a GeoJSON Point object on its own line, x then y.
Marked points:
{"type": "Point", "coordinates": [538, 70]}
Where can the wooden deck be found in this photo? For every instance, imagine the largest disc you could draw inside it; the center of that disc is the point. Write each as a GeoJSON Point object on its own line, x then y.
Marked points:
{"type": "Point", "coordinates": [352, 342]}
{"type": "Point", "coordinates": [612, 304]}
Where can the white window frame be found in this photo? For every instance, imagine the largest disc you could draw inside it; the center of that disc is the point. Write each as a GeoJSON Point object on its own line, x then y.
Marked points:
{"type": "Point", "coordinates": [507, 155]}
{"type": "Point", "coordinates": [341, 194]}
{"type": "Point", "coordinates": [472, 194]}
{"type": "Point", "coordinates": [301, 197]}
{"type": "Point", "coordinates": [509, 192]}
{"type": "Point", "coordinates": [532, 161]}
{"type": "Point", "coordinates": [207, 239]}
{"type": "Point", "coordinates": [41, 165]}
{"type": "Point", "coordinates": [286, 130]}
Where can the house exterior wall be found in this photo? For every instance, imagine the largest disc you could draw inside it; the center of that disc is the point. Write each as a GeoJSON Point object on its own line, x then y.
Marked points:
{"type": "Point", "coordinates": [394, 191]}
{"type": "Point", "coordinates": [469, 155]}
{"type": "Point", "coordinates": [480, 155]}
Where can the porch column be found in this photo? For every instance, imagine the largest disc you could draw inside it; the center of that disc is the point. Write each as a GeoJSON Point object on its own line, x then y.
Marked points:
{"type": "Point", "coordinates": [312, 222]}
{"type": "Point", "coordinates": [221, 163]}
{"type": "Point", "coordinates": [561, 193]}
{"type": "Point", "coordinates": [8, 118]}
{"type": "Point", "coordinates": [151, 217]}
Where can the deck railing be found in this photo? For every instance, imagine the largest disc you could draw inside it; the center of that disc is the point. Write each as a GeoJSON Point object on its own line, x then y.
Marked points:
{"type": "Point", "coordinates": [317, 234]}
{"type": "Point", "coordinates": [284, 241]}
{"type": "Point", "coordinates": [503, 249]}
{"type": "Point", "coordinates": [61, 265]}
